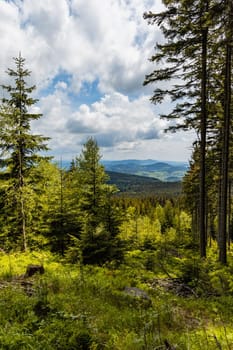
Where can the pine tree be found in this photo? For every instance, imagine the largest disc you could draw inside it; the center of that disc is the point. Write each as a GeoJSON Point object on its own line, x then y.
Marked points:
{"type": "Point", "coordinates": [100, 219]}
{"type": "Point", "coordinates": [19, 147]}
{"type": "Point", "coordinates": [198, 36]}
{"type": "Point", "coordinates": [92, 177]}
{"type": "Point", "coordinates": [226, 132]}
{"type": "Point", "coordinates": [185, 27]}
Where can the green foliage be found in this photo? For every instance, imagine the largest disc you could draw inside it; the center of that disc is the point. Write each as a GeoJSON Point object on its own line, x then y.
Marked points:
{"type": "Point", "coordinates": [136, 184]}
{"type": "Point", "coordinates": [89, 307]}
{"type": "Point", "coordinates": [196, 52]}
{"type": "Point", "coordinates": [19, 152]}
{"type": "Point", "coordinates": [99, 217]}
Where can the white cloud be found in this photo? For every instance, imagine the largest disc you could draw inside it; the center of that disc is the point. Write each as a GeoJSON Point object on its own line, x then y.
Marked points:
{"type": "Point", "coordinates": [115, 119]}
{"type": "Point", "coordinates": [122, 127]}
{"type": "Point", "coordinates": [107, 42]}
{"type": "Point", "coordinates": [89, 40]}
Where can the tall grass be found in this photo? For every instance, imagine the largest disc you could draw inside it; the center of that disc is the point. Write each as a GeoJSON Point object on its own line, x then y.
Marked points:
{"type": "Point", "coordinates": [69, 308]}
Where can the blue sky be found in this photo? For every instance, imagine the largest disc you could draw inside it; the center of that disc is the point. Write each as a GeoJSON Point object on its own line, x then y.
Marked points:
{"type": "Point", "coordinates": [88, 60]}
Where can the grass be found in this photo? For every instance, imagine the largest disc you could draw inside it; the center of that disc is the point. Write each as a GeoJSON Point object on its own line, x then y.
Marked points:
{"type": "Point", "coordinates": [69, 308]}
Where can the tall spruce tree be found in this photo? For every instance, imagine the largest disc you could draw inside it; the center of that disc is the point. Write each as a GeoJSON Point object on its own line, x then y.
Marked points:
{"type": "Point", "coordinates": [19, 147]}
{"type": "Point", "coordinates": [100, 219]}
{"type": "Point", "coordinates": [198, 51]}
{"type": "Point", "coordinates": [185, 28]}
{"type": "Point", "coordinates": [228, 12]}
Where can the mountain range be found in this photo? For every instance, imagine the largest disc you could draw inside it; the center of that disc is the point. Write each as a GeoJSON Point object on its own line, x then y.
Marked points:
{"type": "Point", "coordinates": [136, 185]}
{"type": "Point", "coordinates": [168, 171]}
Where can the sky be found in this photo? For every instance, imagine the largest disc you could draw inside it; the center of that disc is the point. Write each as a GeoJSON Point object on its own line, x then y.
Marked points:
{"type": "Point", "coordinates": [88, 60]}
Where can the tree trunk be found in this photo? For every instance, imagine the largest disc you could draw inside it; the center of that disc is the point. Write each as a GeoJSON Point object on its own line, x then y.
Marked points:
{"type": "Point", "coordinates": [226, 134]}
{"type": "Point", "coordinates": [23, 224]}
{"type": "Point", "coordinates": [229, 215]}
{"type": "Point", "coordinates": [22, 206]}
{"type": "Point", "coordinates": [203, 145]}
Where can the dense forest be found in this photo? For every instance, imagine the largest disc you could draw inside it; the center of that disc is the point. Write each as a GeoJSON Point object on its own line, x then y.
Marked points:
{"type": "Point", "coordinates": [146, 265]}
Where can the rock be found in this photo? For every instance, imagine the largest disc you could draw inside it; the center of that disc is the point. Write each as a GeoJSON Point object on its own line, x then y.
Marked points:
{"type": "Point", "coordinates": [33, 269]}
{"type": "Point", "coordinates": [136, 292]}
{"type": "Point", "coordinates": [175, 285]}
{"type": "Point", "coordinates": [168, 345]}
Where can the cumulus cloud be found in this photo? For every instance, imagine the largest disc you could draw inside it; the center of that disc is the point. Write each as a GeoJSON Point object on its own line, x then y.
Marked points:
{"type": "Point", "coordinates": [115, 119]}
{"type": "Point", "coordinates": [89, 40]}
{"type": "Point", "coordinates": [103, 45]}
{"type": "Point", "coordinates": [112, 121]}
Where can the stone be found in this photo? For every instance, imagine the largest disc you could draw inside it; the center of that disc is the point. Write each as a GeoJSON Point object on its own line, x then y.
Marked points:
{"type": "Point", "coordinates": [33, 269]}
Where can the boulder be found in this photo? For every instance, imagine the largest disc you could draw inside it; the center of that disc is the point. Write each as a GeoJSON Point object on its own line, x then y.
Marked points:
{"type": "Point", "coordinates": [136, 292]}
{"type": "Point", "coordinates": [33, 269]}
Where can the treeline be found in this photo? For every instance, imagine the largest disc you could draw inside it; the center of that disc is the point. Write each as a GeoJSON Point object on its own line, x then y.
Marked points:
{"type": "Point", "coordinates": [74, 212]}
{"type": "Point", "coordinates": [42, 205]}
{"type": "Point", "coordinates": [145, 185]}
{"type": "Point", "coordinates": [196, 59]}
{"type": "Point", "coordinates": [63, 210]}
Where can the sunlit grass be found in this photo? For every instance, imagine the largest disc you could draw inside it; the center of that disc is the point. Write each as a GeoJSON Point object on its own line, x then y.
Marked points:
{"type": "Point", "coordinates": [71, 305]}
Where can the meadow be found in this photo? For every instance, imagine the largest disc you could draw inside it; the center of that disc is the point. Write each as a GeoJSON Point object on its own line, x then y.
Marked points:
{"type": "Point", "coordinates": [162, 296]}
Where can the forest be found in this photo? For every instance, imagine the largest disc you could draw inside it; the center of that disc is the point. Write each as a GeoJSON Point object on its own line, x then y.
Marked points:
{"type": "Point", "coordinates": [86, 265]}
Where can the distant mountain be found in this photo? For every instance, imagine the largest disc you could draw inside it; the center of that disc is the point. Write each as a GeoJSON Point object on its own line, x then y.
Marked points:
{"type": "Point", "coordinates": [134, 184]}
{"type": "Point", "coordinates": [164, 171]}
{"type": "Point", "coordinates": [168, 171]}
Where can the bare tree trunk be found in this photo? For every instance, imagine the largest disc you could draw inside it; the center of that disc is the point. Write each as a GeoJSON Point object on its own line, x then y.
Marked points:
{"type": "Point", "coordinates": [229, 215]}
{"type": "Point", "coordinates": [61, 233]}
{"type": "Point", "coordinates": [226, 134]}
{"type": "Point", "coordinates": [22, 206]}
{"type": "Point", "coordinates": [23, 223]}
{"type": "Point", "coordinates": [203, 145]}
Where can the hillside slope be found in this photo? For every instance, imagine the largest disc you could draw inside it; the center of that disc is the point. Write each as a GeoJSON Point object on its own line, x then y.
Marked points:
{"type": "Point", "coordinates": [164, 171]}
{"type": "Point", "coordinates": [135, 184]}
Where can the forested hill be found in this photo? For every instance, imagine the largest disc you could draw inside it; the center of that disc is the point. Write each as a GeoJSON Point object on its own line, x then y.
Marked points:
{"type": "Point", "coordinates": [144, 176]}
{"type": "Point", "coordinates": [142, 184]}
{"type": "Point", "coordinates": [165, 171]}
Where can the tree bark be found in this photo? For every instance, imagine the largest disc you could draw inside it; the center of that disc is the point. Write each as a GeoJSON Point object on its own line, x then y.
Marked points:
{"type": "Point", "coordinates": [203, 210]}
{"type": "Point", "coordinates": [226, 134]}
